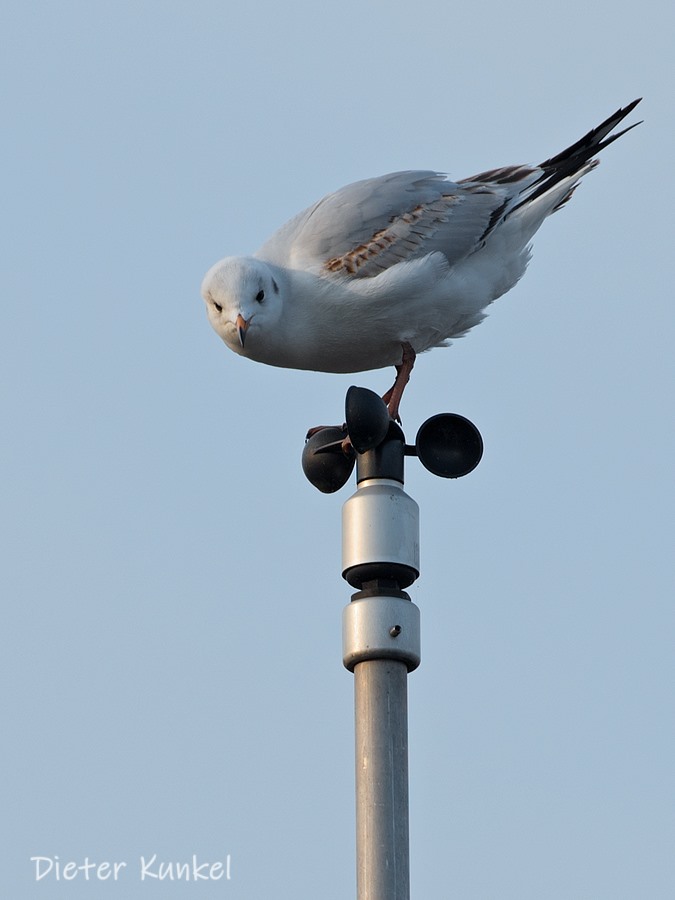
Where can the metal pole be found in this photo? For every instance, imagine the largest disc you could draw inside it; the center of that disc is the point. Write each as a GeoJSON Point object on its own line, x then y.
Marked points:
{"type": "Point", "coordinates": [382, 844]}
{"type": "Point", "coordinates": [381, 644]}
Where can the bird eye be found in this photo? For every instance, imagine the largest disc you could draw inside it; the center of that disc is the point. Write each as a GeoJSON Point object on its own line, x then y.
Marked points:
{"type": "Point", "coordinates": [260, 296]}
{"type": "Point", "coordinates": [218, 306]}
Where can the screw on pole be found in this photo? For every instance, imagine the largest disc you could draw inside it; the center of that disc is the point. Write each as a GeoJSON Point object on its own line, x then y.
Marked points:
{"type": "Point", "coordinates": [381, 624]}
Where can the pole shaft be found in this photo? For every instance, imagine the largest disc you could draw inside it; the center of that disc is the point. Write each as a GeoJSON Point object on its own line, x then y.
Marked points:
{"type": "Point", "coordinates": [382, 842]}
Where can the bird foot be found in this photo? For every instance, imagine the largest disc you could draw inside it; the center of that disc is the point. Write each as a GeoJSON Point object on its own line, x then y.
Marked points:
{"type": "Point", "coordinates": [392, 398]}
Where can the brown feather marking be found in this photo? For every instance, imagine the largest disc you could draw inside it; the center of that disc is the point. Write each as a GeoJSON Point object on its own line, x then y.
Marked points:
{"type": "Point", "coordinates": [382, 240]}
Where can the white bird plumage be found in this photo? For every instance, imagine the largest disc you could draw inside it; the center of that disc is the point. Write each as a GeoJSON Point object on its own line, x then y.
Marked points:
{"type": "Point", "coordinates": [388, 267]}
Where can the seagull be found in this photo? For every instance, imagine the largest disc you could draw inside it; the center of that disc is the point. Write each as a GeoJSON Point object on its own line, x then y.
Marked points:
{"type": "Point", "coordinates": [386, 268]}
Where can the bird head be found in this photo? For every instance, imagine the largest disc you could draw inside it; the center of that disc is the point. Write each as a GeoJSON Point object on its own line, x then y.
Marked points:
{"type": "Point", "coordinates": [241, 295]}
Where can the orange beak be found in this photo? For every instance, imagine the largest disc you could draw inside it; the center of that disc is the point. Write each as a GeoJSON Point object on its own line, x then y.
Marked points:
{"type": "Point", "coordinates": [242, 328]}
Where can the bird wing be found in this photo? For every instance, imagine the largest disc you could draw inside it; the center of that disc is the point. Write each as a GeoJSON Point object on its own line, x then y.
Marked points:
{"type": "Point", "coordinates": [369, 226]}
{"type": "Point", "coordinates": [365, 228]}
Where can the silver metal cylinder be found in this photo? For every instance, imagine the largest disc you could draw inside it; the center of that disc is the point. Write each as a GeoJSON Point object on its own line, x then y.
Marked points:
{"type": "Point", "coordinates": [382, 853]}
{"type": "Point", "coordinates": [380, 534]}
{"type": "Point", "coordinates": [381, 627]}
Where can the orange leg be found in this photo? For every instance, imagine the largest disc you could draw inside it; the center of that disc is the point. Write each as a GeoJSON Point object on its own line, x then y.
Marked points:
{"type": "Point", "coordinates": [393, 396]}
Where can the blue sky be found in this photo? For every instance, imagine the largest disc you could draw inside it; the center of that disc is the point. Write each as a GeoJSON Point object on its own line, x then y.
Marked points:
{"type": "Point", "coordinates": [172, 668]}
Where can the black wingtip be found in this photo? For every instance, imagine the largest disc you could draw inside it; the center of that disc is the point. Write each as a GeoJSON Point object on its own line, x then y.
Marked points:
{"type": "Point", "coordinates": [595, 140]}
{"type": "Point", "coordinates": [572, 160]}
{"type": "Point", "coordinates": [631, 106]}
